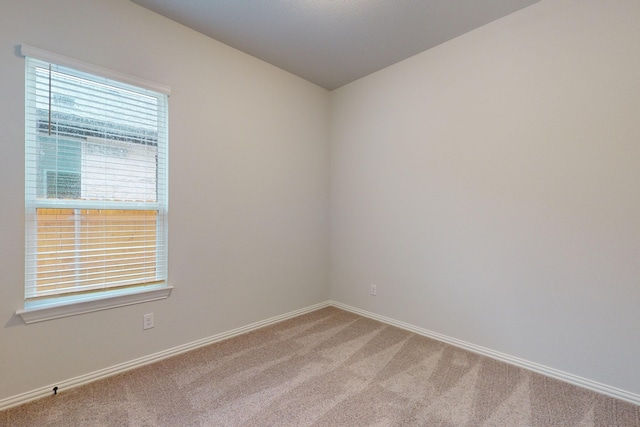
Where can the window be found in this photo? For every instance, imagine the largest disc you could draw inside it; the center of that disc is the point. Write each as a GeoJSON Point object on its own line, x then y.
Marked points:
{"type": "Point", "coordinates": [95, 188]}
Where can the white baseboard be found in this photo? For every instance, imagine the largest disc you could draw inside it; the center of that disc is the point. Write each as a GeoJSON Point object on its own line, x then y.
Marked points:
{"type": "Point", "coordinates": [132, 364]}
{"type": "Point", "coordinates": [531, 366]}
{"type": "Point", "coordinates": [126, 366]}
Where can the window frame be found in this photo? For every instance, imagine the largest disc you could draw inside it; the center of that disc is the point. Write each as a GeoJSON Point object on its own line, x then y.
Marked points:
{"type": "Point", "coordinates": [61, 305]}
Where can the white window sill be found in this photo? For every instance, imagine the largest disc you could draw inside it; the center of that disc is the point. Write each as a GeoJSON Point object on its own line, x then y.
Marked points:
{"type": "Point", "coordinates": [55, 308]}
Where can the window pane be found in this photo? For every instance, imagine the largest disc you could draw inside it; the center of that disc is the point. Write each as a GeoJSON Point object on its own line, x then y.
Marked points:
{"type": "Point", "coordinates": [119, 170]}
{"type": "Point", "coordinates": [84, 249]}
{"type": "Point", "coordinates": [58, 168]}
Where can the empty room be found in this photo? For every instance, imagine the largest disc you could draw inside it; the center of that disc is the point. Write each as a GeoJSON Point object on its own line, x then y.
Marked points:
{"type": "Point", "coordinates": [320, 212]}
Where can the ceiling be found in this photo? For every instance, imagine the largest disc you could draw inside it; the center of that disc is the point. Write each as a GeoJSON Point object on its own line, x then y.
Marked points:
{"type": "Point", "coordinates": [333, 42]}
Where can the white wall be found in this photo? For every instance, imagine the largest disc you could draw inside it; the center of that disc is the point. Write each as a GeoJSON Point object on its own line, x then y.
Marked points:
{"type": "Point", "coordinates": [490, 188]}
{"type": "Point", "coordinates": [249, 184]}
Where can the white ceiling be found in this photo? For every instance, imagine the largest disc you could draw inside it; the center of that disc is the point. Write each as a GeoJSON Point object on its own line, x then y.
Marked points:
{"type": "Point", "coordinates": [333, 42]}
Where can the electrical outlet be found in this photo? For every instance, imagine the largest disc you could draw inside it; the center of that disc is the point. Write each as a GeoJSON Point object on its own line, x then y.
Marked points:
{"type": "Point", "coordinates": [374, 290]}
{"type": "Point", "coordinates": [147, 321]}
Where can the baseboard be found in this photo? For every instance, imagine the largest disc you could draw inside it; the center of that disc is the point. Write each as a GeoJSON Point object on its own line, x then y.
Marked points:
{"type": "Point", "coordinates": [146, 360]}
{"type": "Point", "coordinates": [531, 366]}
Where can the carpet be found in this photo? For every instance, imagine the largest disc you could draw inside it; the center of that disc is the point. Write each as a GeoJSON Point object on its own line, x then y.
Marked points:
{"type": "Point", "coordinates": [326, 368]}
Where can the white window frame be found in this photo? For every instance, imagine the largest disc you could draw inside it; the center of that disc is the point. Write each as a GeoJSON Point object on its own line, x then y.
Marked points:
{"type": "Point", "coordinates": [67, 305]}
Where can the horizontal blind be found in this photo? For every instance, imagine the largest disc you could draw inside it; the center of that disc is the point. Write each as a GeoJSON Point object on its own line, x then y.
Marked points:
{"type": "Point", "coordinates": [95, 182]}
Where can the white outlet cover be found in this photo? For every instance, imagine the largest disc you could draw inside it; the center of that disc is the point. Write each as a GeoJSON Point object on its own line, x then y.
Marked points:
{"type": "Point", "coordinates": [148, 321]}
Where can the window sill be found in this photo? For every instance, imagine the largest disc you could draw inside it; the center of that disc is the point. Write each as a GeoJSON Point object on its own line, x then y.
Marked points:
{"type": "Point", "coordinates": [56, 308]}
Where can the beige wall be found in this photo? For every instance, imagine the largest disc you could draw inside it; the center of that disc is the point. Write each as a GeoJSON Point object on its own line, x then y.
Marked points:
{"type": "Point", "coordinates": [489, 187]}
{"type": "Point", "coordinates": [248, 189]}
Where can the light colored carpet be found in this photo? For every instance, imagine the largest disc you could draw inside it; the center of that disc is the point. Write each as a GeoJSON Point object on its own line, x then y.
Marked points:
{"type": "Point", "coordinates": [326, 368]}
